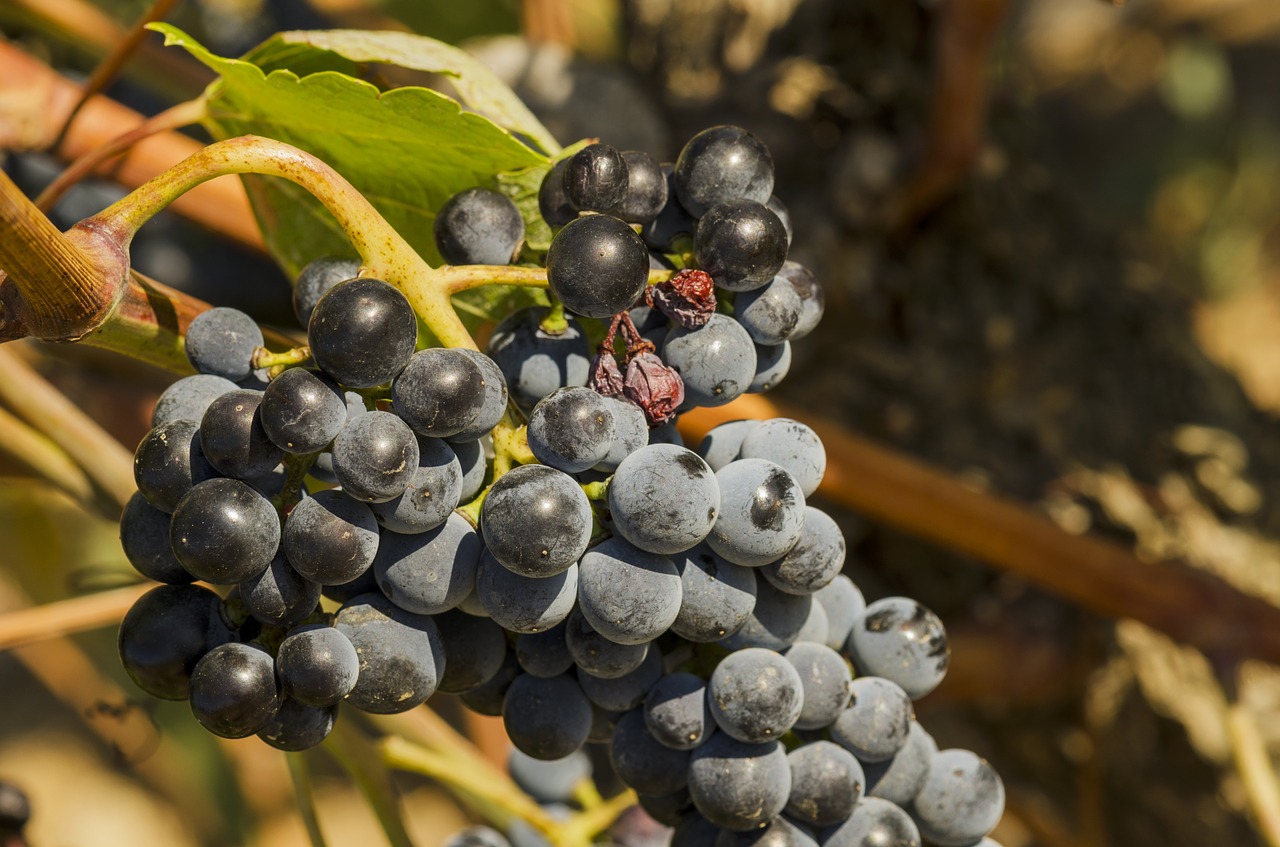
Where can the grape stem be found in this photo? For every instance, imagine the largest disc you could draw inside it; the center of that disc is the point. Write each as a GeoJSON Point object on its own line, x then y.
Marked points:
{"type": "Point", "coordinates": [264, 358]}
{"type": "Point", "coordinates": [384, 253]}
{"type": "Point", "coordinates": [304, 796]}
{"type": "Point", "coordinates": [296, 467]}
{"type": "Point", "coordinates": [596, 491]}
{"type": "Point", "coordinates": [457, 278]}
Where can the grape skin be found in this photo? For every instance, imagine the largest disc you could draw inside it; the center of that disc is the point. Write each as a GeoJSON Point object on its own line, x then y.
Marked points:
{"type": "Point", "coordinates": [646, 193]}
{"type": "Point", "coordinates": [761, 513]}
{"type": "Point", "coordinates": [433, 492]}
{"type": "Point", "coordinates": [597, 266]}
{"type": "Point", "coordinates": [664, 499]}
{"type": "Point", "coordinates": [791, 444]}
{"type": "Point", "coordinates": [317, 665]}
{"type": "Point", "coordinates": [524, 604]}
{"type": "Point", "coordinates": [221, 341]}
{"type": "Point", "coordinates": [903, 641]}
{"type": "Point", "coordinates": [826, 681]}
{"type": "Point", "coordinates": [224, 532]}
{"type": "Point", "coordinates": [677, 713]}
{"type": "Point", "coordinates": [631, 433]}
{"type": "Point", "coordinates": [811, 297]}
{"type": "Point", "coordinates": [168, 462]}
{"type": "Point", "coordinates": [487, 697]}
{"type": "Point", "coordinates": [233, 691]}
{"type": "Point", "coordinates": [297, 726]}
{"type": "Point", "coordinates": [723, 443]}
{"type": "Point", "coordinates": [553, 202]}
{"type": "Point", "coordinates": [716, 596]}
{"type": "Point", "coordinates": [401, 657]}
{"type": "Point", "coordinates": [233, 439]}
{"type": "Point", "coordinates": [534, 362]}
{"type": "Point", "coordinates": [144, 536]}
{"type": "Point", "coordinates": [595, 178]}
{"type": "Point", "coordinates": [815, 625]}
{"type": "Point", "coordinates": [301, 412]}
{"type": "Point", "coordinates": [739, 786]}
{"type": "Point", "coordinates": [778, 832]}
{"type": "Point", "coordinates": [626, 692]}
{"type": "Point", "coordinates": [375, 457]}
{"type": "Point", "coordinates": [317, 278]}
{"type": "Point", "coordinates": [440, 392]}
{"type": "Point", "coordinates": [546, 653]}
{"type": "Point", "coordinates": [769, 313]}
{"type": "Point", "coordinates": [472, 466]}
{"type": "Point", "coordinates": [874, 821]}
{"type": "Point", "coordinates": [549, 780]}
{"type": "Point", "coordinates": [961, 801]}
{"type": "Point", "coordinates": [741, 244]}
{"type": "Point", "coordinates": [571, 429]}
{"type": "Point", "coordinates": [189, 397]}
{"type": "Point", "coordinates": [546, 718]}
{"type": "Point", "coordinates": [755, 695]}
{"type": "Point", "coordinates": [776, 621]}
{"type": "Point", "coordinates": [716, 361]}
{"type": "Point", "coordinates": [279, 596]}
{"type": "Point", "coordinates": [362, 332]}
{"type": "Point", "coordinates": [826, 782]}
{"type": "Point", "coordinates": [722, 163]}
{"type": "Point", "coordinates": [536, 521]}
{"type": "Point", "coordinates": [628, 595]}
{"type": "Point", "coordinates": [642, 762]}
{"type": "Point", "coordinates": [494, 398]}
{"type": "Point", "coordinates": [877, 722]}
{"type": "Point", "coordinates": [474, 650]}
{"type": "Point", "coordinates": [165, 633]}
{"type": "Point", "coordinates": [596, 655]}
{"type": "Point", "coordinates": [772, 366]}
{"type": "Point", "coordinates": [844, 604]}
{"type": "Point", "coordinates": [330, 538]}
{"type": "Point", "coordinates": [429, 573]}
{"type": "Point", "coordinates": [899, 779]}
{"type": "Point", "coordinates": [815, 561]}
{"type": "Point", "coordinates": [478, 227]}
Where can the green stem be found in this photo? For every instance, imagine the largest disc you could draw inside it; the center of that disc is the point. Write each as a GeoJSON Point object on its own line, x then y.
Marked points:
{"type": "Point", "coordinates": [456, 278]}
{"type": "Point", "coordinates": [510, 443]}
{"type": "Point", "coordinates": [471, 511]}
{"type": "Point", "coordinates": [596, 491]}
{"type": "Point", "coordinates": [264, 358]}
{"type": "Point", "coordinates": [584, 826]}
{"type": "Point", "coordinates": [555, 323]}
{"type": "Point", "coordinates": [304, 796]}
{"type": "Point", "coordinates": [296, 467]}
{"type": "Point", "coordinates": [385, 254]}
{"type": "Point", "coordinates": [503, 799]}
{"type": "Point", "coordinates": [359, 758]}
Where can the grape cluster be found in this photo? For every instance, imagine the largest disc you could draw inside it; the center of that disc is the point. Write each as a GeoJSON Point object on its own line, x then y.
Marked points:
{"type": "Point", "coordinates": [684, 607]}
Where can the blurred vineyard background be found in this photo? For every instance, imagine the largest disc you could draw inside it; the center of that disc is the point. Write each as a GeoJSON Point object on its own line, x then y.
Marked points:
{"type": "Point", "coordinates": [1049, 232]}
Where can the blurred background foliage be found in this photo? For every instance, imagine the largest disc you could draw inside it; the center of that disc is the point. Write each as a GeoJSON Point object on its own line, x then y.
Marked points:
{"type": "Point", "coordinates": [1051, 251]}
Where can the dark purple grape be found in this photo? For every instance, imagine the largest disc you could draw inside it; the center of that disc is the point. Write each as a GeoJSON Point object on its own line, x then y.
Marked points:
{"type": "Point", "coordinates": [362, 332]}
{"type": "Point", "coordinates": [224, 532]}
{"type": "Point", "coordinates": [478, 227]}
{"type": "Point", "coordinates": [597, 266]}
{"type": "Point", "coordinates": [165, 633]}
{"type": "Point", "coordinates": [233, 690]}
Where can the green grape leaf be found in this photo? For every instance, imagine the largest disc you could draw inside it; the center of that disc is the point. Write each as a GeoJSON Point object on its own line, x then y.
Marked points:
{"type": "Point", "coordinates": [406, 150]}
{"type": "Point", "coordinates": [477, 86]}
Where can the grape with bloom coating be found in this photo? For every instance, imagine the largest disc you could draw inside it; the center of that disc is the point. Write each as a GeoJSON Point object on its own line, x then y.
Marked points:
{"type": "Point", "coordinates": [791, 444]}
{"type": "Point", "coordinates": [536, 362]}
{"type": "Point", "coordinates": [221, 341]}
{"type": "Point", "coordinates": [401, 657]}
{"type": "Point", "coordinates": [330, 538]}
{"type": "Point", "coordinates": [627, 594]}
{"type": "Point", "coordinates": [755, 695]}
{"type": "Point", "coordinates": [677, 713]}
{"type": "Point", "coordinates": [761, 513]}
{"type": "Point", "coordinates": [825, 680]}
{"type": "Point", "coordinates": [877, 722]}
{"type": "Point", "coordinates": [826, 782]}
{"type": "Point", "coordinates": [432, 494]}
{"type": "Point", "coordinates": [317, 278]}
{"type": "Point", "coordinates": [317, 665]}
{"type": "Point", "coordinates": [717, 361]}
{"type": "Point", "coordinates": [571, 429]}
{"type": "Point", "coordinates": [362, 332]}
{"type": "Point", "coordinates": [478, 227]}
{"type": "Point", "coordinates": [521, 603]}
{"type": "Point", "coordinates": [903, 641]}
{"type": "Point", "coordinates": [431, 572]}
{"type": "Point", "coordinates": [375, 457]}
{"type": "Point", "coordinates": [164, 634]}
{"type": "Point", "coordinates": [144, 536]}
{"type": "Point", "coordinates": [302, 412]}
{"type": "Point", "coordinates": [874, 821]}
{"type": "Point", "coordinates": [546, 718]}
{"type": "Point", "coordinates": [664, 498]}
{"type": "Point", "coordinates": [536, 521]}
{"type": "Point", "coordinates": [739, 786]}
{"type": "Point", "coordinates": [815, 561]}
{"type": "Point", "coordinates": [642, 762]}
{"type": "Point", "coordinates": [961, 800]}
{"type": "Point", "coordinates": [716, 596]}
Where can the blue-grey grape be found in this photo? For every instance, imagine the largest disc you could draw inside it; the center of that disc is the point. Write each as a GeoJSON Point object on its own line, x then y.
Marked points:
{"type": "Point", "coordinates": [784, 214]}
{"type": "Point", "coordinates": [646, 193]}
{"type": "Point", "coordinates": [440, 392]}
{"type": "Point", "coordinates": [626, 692]}
{"type": "Point", "coordinates": [430, 572]}
{"type": "Point", "coordinates": [535, 362]}
{"type": "Point", "coordinates": [362, 332]}
{"type": "Point", "coordinates": [144, 536]}
{"type": "Point", "coordinates": [302, 412]}
{"type": "Point", "coordinates": [772, 366]}
{"type": "Point", "coordinates": [826, 681]}
{"type": "Point", "coordinates": [631, 432]}
{"type": "Point", "coordinates": [778, 832]}
{"type": "Point", "coordinates": [775, 622]}
{"type": "Point", "coordinates": [318, 277]}
{"type": "Point", "coordinates": [164, 634]}
{"type": "Point", "coordinates": [627, 594]}
{"type": "Point", "coordinates": [677, 712]}
{"type": "Point", "coordinates": [669, 809]}
{"type": "Point", "coordinates": [494, 398]}
{"type": "Point", "coordinates": [769, 313]}
{"type": "Point", "coordinates": [899, 778]}
{"type": "Point", "coordinates": [761, 513]}
{"type": "Point", "coordinates": [717, 361]}
{"type": "Point", "coordinates": [755, 695]}
{"type": "Point", "coordinates": [549, 780]}
{"type": "Point", "coordinates": [221, 342]}
{"type": "Point", "coordinates": [736, 785]}
{"type": "Point", "coordinates": [596, 655]}
{"type": "Point", "coordinates": [432, 494]}
{"type": "Point", "coordinates": [900, 640]}
{"type": "Point", "coordinates": [961, 800]}
{"type": "Point", "coordinates": [297, 726]}
{"type": "Point", "coordinates": [375, 456]}
{"type": "Point", "coordinates": [233, 439]}
{"type": "Point", "coordinates": [473, 466]}
{"type": "Point", "coordinates": [478, 227]}
{"type": "Point", "coordinates": [694, 831]}
{"type": "Point", "coordinates": [811, 297]}
{"type": "Point", "coordinates": [474, 650]}
{"type": "Point", "coordinates": [536, 520]}
{"type": "Point", "coordinates": [723, 163]}
{"type": "Point", "coordinates": [663, 498]}
{"type": "Point", "coordinates": [791, 444]}
{"type": "Point", "coordinates": [571, 429]}
{"type": "Point", "coordinates": [723, 443]}
{"type": "Point", "coordinates": [401, 658]}
{"type": "Point", "coordinates": [169, 461]}
{"type": "Point", "coordinates": [522, 603]}
{"type": "Point", "coordinates": [330, 538]}
{"type": "Point", "coordinates": [844, 604]}
{"type": "Point", "coordinates": [826, 782]}
{"type": "Point", "coordinates": [546, 718]}
{"type": "Point", "coordinates": [223, 531]}
{"type": "Point", "coordinates": [874, 823]}
{"type": "Point", "coordinates": [280, 596]}
{"type": "Point", "coordinates": [487, 697]}
{"type": "Point", "coordinates": [815, 627]}
{"type": "Point", "coordinates": [189, 397]}
{"type": "Point", "coordinates": [673, 224]}
{"type": "Point", "coordinates": [233, 690]}
{"type": "Point", "coordinates": [716, 596]}
{"type": "Point", "coordinates": [544, 653]}
{"type": "Point", "coordinates": [876, 723]}
{"type": "Point", "coordinates": [815, 561]}
{"type": "Point", "coordinates": [642, 762]}
{"type": "Point", "coordinates": [317, 665]}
